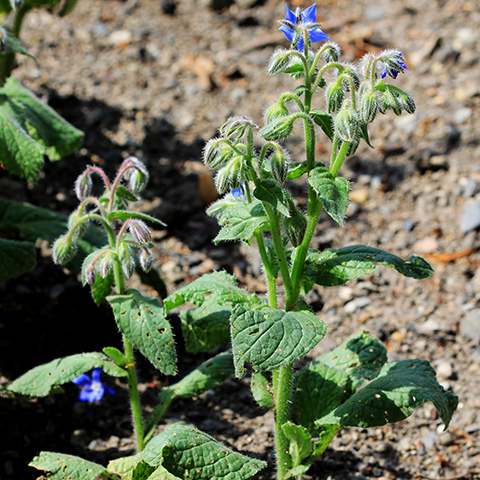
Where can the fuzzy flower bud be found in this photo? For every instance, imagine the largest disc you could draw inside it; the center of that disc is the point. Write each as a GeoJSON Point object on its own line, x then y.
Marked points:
{"type": "Point", "coordinates": [276, 110]}
{"type": "Point", "coordinates": [389, 100]}
{"type": "Point", "coordinates": [139, 231]}
{"type": "Point", "coordinates": [279, 62]}
{"type": "Point", "coordinates": [331, 51]}
{"type": "Point", "coordinates": [346, 125]}
{"type": "Point", "coordinates": [146, 259]}
{"type": "Point", "coordinates": [125, 256]}
{"type": "Point", "coordinates": [63, 249]}
{"type": "Point", "coordinates": [135, 174]}
{"type": "Point", "coordinates": [83, 185]}
{"type": "Point", "coordinates": [368, 103]}
{"type": "Point", "coordinates": [75, 222]}
{"type": "Point", "coordinates": [230, 176]}
{"type": "Point", "coordinates": [3, 39]}
{"type": "Point", "coordinates": [105, 263]}
{"type": "Point", "coordinates": [334, 94]}
{"type": "Point", "coordinates": [279, 161]}
{"type": "Point", "coordinates": [295, 227]}
{"type": "Point", "coordinates": [278, 129]}
{"type": "Point", "coordinates": [236, 127]}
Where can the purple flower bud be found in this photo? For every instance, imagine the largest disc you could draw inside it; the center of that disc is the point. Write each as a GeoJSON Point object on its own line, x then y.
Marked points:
{"type": "Point", "coordinates": [146, 259]}
{"type": "Point", "coordinates": [139, 231]}
{"type": "Point", "coordinates": [126, 258]}
{"type": "Point", "coordinates": [135, 174]}
{"type": "Point", "coordinates": [83, 185]}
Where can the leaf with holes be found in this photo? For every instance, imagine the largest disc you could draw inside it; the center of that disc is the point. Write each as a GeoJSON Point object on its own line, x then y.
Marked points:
{"type": "Point", "coordinates": [217, 287]}
{"type": "Point", "coordinates": [143, 321]}
{"type": "Point", "coordinates": [270, 338]}
{"type": "Point", "coordinates": [40, 381]}
{"type": "Point", "coordinates": [399, 389]}
{"type": "Point", "coordinates": [134, 468]}
{"type": "Point", "coordinates": [69, 467]}
{"type": "Point", "coordinates": [336, 267]}
{"type": "Point", "coordinates": [191, 454]}
{"type": "Point", "coordinates": [331, 191]}
{"type": "Point", "coordinates": [206, 327]}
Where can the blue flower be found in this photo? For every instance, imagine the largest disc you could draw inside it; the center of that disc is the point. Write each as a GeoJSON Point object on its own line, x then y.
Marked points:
{"type": "Point", "coordinates": [394, 66]}
{"type": "Point", "coordinates": [92, 389]}
{"type": "Point", "coordinates": [237, 192]}
{"type": "Point", "coordinates": [295, 23]}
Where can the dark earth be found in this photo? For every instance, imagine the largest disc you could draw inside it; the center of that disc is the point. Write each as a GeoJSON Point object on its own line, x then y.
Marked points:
{"type": "Point", "coordinates": [155, 79]}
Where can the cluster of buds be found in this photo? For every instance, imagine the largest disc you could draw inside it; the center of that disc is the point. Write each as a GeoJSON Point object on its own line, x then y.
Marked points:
{"type": "Point", "coordinates": [129, 237]}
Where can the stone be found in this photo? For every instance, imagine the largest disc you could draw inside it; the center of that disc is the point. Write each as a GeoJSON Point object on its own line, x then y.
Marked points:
{"type": "Point", "coordinates": [470, 325]}
{"type": "Point", "coordinates": [470, 217]}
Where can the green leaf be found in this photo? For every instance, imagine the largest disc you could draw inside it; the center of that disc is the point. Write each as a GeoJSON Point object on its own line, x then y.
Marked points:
{"type": "Point", "coordinates": [331, 191]}
{"type": "Point", "coordinates": [69, 467]}
{"type": "Point", "coordinates": [300, 442]}
{"type": "Point", "coordinates": [116, 355]}
{"type": "Point", "coordinates": [102, 287]}
{"type": "Point", "coordinates": [324, 121]}
{"type": "Point", "coordinates": [67, 7]}
{"type": "Point", "coordinates": [152, 279]}
{"type": "Point", "coordinates": [360, 356]}
{"type": "Point", "coordinates": [16, 258]}
{"type": "Point", "coordinates": [241, 221]}
{"type": "Point", "coordinates": [269, 338]}
{"type": "Point", "coordinates": [268, 191]}
{"type": "Point", "coordinates": [399, 389]}
{"type": "Point", "coordinates": [209, 374]}
{"type": "Point", "coordinates": [262, 390]}
{"type": "Point", "coordinates": [125, 215]}
{"type": "Point", "coordinates": [39, 381]}
{"type": "Point", "coordinates": [143, 321]}
{"type": "Point", "coordinates": [364, 134]}
{"type": "Point", "coordinates": [216, 287]}
{"type": "Point", "coordinates": [318, 390]}
{"type": "Point", "coordinates": [328, 381]}
{"type": "Point", "coordinates": [191, 454]}
{"type": "Point", "coordinates": [336, 267]}
{"type": "Point", "coordinates": [5, 6]}
{"type": "Point", "coordinates": [30, 129]}
{"type": "Point", "coordinates": [296, 170]}
{"type": "Point", "coordinates": [206, 327]}
{"type": "Point", "coordinates": [15, 45]}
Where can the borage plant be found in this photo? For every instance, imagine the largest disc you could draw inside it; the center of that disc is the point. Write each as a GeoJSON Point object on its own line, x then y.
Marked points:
{"type": "Point", "coordinates": [352, 386]}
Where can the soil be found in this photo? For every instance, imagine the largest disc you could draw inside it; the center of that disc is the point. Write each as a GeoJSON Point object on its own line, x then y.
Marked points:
{"type": "Point", "coordinates": [155, 79]}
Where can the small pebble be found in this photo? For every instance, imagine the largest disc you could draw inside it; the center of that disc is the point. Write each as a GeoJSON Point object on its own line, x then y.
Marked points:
{"type": "Point", "coordinates": [470, 217]}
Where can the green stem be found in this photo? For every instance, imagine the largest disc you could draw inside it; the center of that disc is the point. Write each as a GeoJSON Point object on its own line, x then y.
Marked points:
{"type": "Point", "coordinates": [336, 165]}
{"type": "Point", "coordinates": [138, 425]}
{"type": "Point", "coordinates": [8, 63]}
{"type": "Point", "coordinates": [272, 287]}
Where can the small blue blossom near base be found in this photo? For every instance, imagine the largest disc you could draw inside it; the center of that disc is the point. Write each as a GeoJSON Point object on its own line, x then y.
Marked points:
{"type": "Point", "coordinates": [92, 389]}
{"type": "Point", "coordinates": [296, 21]}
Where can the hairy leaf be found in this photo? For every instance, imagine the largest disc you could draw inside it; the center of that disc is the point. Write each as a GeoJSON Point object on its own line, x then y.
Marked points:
{"type": "Point", "coordinates": [399, 389]}
{"type": "Point", "coordinates": [16, 258]}
{"type": "Point", "coordinates": [336, 267]}
{"type": "Point", "coordinates": [206, 327]}
{"type": "Point", "coordinates": [331, 191]}
{"type": "Point", "coordinates": [216, 287]}
{"type": "Point", "coordinates": [270, 338]}
{"type": "Point", "coordinates": [143, 321]}
{"type": "Point", "coordinates": [69, 467]}
{"type": "Point", "coordinates": [262, 390]}
{"type": "Point", "coordinates": [241, 221]}
{"type": "Point", "coordinates": [324, 121]}
{"type": "Point", "coordinates": [300, 442]}
{"type": "Point", "coordinates": [191, 454]}
{"type": "Point", "coordinates": [39, 381]}
{"type": "Point", "coordinates": [268, 191]}
{"type": "Point", "coordinates": [30, 129]}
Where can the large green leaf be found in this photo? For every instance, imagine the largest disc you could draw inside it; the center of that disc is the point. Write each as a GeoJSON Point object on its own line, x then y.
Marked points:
{"type": "Point", "coordinates": [30, 129]}
{"type": "Point", "coordinates": [216, 287]}
{"type": "Point", "coordinates": [269, 338]}
{"type": "Point", "coordinates": [399, 389]}
{"type": "Point", "coordinates": [241, 221]}
{"type": "Point", "coordinates": [143, 321]}
{"type": "Point", "coordinates": [331, 191]}
{"type": "Point", "coordinates": [16, 258]}
{"type": "Point", "coordinates": [69, 467]}
{"type": "Point", "coordinates": [336, 267]}
{"type": "Point", "coordinates": [40, 381]}
{"type": "Point", "coordinates": [206, 327]}
{"type": "Point", "coordinates": [331, 379]}
{"type": "Point", "coordinates": [134, 468]}
{"type": "Point", "coordinates": [191, 454]}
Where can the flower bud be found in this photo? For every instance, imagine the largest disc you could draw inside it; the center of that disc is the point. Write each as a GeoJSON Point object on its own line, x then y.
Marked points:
{"type": "Point", "coordinates": [276, 110]}
{"type": "Point", "coordinates": [334, 94]}
{"type": "Point", "coordinates": [125, 256]}
{"type": "Point", "coordinates": [75, 223]}
{"type": "Point", "coordinates": [104, 264]}
{"type": "Point", "coordinates": [236, 127]}
{"type": "Point", "coordinates": [389, 100]}
{"type": "Point", "coordinates": [139, 231]}
{"type": "Point", "coordinates": [279, 162]}
{"type": "Point", "coordinates": [83, 185]}
{"type": "Point", "coordinates": [278, 129]}
{"type": "Point", "coordinates": [230, 176]}
{"type": "Point", "coordinates": [63, 249]}
{"type": "Point", "coordinates": [295, 227]}
{"type": "Point", "coordinates": [146, 259]}
{"type": "Point", "coordinates": [368, 106]}
{"type": "Point", "coordinates": [135, 173]}
{"type": "Point", "coordinates": [346, 125]}
{"type": "Point", "coordinates": [3, 39]}
{"type": "Point", "coordinates": [351, 71]}
{"type": "Point", "coordinates": [407, 102]}
{"type": "Point", "coordinates": [331, 51]}
{"type": "Point", "coordinates": [279, 62]}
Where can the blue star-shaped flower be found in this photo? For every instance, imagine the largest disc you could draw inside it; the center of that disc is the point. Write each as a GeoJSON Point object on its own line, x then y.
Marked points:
{"type": "Point", "coordinates": [92, 389]}
{"type": "Point", "coordinates": [295, 22]}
